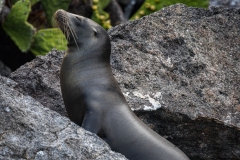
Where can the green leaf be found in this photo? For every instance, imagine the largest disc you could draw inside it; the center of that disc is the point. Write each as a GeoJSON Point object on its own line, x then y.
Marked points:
{"type": "Point", "coordinates": [51, 6]}
{"type": "Point", "coordinates": [150, 6]}
{"type": "Point", "coordinates": [47, 39]}
{"type": "Point", "coordinates": [104, 3]}
{"type": "Point", "coordinates": [32, 1]}
{"type": "Point", "coordinates": [14, 1]}
{"type": "Point", "coordinates": [17, 27]}
{"type": "Point", "coordinates": [99, 15]}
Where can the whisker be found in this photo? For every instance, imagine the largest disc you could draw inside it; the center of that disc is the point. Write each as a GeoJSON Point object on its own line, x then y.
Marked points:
{"type": "Point", "coordinates": [73, 32]}
{"type": "Point", "coordinates": [73, 36]}
{"type": "Point", "coordinates": [63, 24]}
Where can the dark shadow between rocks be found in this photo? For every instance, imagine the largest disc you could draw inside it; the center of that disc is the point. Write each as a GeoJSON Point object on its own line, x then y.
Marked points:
{"type": "Point", "coordinates": [202, 138]}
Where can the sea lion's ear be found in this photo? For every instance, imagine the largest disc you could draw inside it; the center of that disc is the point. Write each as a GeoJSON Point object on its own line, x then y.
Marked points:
{"type": "Point", "coordinates": [95, 32]}
{"type": "Point", "coordinates": [78, 18]}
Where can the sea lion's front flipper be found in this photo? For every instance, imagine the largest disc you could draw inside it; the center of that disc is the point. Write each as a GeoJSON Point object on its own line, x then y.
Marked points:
{"type": "Point", "coordinates": [91, 122]}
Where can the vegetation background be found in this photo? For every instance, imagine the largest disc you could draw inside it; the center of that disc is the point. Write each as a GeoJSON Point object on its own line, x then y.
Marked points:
{"type": "Point", "coordinates": [29, 23]}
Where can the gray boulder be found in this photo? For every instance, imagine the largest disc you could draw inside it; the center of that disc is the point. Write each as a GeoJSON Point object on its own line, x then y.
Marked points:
{"type": "Point", "coordinates": [179, 69]}
{"type": "Point", "coordinates": [225, 3]}
{"type": "Point", "coordinates": [40, 79]}
{"type": "Point", "coordinates": [30, 131]}
{"type": "Point", "coordinates": [185, 62]}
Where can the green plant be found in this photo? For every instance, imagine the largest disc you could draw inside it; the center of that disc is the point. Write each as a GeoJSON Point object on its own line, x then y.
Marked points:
{"type": "Point", "coordinates": [51, 6]}
{"type": "Point", "coordinates": [25, 36]}
{"type": "Point", "coordinates": [40, 42]}
{"type": "Point", "coordinates": [17, 27]}
{"type": "Point", "coordinates": [150, 6]}
{"type": "Point", "coordinates": [99, 15]}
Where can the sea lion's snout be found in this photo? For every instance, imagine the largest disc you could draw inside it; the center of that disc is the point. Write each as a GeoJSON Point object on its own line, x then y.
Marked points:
{"type": "Point", "coordinates": [61, 18]}
{"type": "Point", "coordinates": [71, 25]}
{"type": "Point", "coordinates": [59, 12]}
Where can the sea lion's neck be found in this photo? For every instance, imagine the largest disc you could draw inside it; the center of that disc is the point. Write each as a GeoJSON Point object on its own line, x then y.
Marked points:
{"type": "Point", "coordinates": [85, 58]}
{"type": "Point", "coordinates": [88, 52]}
{"type": "Point", "coordinates": [88, 56]}
{"type": "Point", "coordinates": [89, 66]}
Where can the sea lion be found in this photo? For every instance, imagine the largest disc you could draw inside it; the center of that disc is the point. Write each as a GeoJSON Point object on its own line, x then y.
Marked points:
{"type": "Point", "coordinates": [93, 98]}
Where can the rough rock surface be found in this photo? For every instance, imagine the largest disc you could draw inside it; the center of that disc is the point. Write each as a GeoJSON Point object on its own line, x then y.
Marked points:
{"type": "Point", "coordinates": [40, 79]}
{"type": "Point", "coordinates": [225, 3]}
{"type": "Point", "coordinates": [184, 62]}
{"type": "Point", "coordinates": [30, 131]}
{"type": "Point", "coordinates": [184, 59]}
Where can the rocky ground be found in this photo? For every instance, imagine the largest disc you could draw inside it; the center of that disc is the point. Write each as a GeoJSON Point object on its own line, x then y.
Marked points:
{"type": "Point", "coordinates": [179, 70]}
{"type": "Point", "coordinates": [225, 3]}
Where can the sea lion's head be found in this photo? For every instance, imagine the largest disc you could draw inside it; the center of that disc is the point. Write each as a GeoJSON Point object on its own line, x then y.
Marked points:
{"type": "Point", "coordinates": [80, 31]}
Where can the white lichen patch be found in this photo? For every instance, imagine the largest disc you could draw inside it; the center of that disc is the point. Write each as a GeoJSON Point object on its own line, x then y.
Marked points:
{"type": "Point", "coordinates": [7, 109]}
{"type": "Point", "coordinates": [228, 119]}
{"type": "Point", "coordinates": [147, 108]}
{"type": "Point", "coordinates": [166, 61]}
{"type": "Point", "coordinates": [126, 94]}
{"type": "Point", "coordinates": [154, 101]}
{"type": "Point", "coordinates": [138, 94]}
